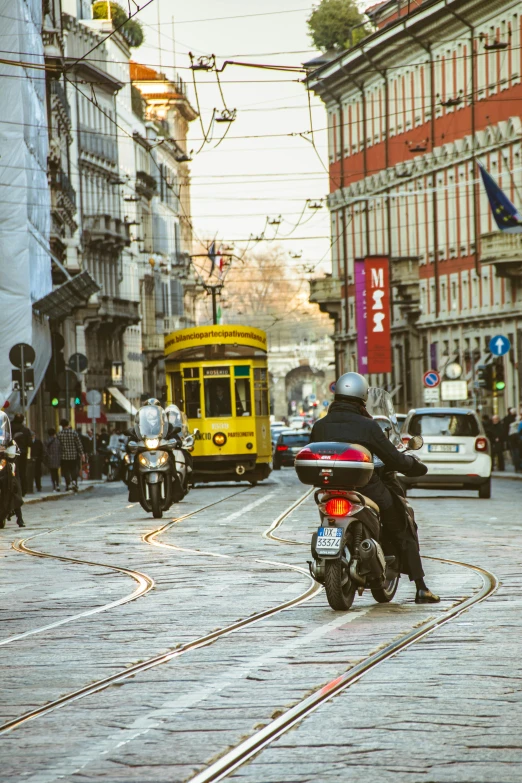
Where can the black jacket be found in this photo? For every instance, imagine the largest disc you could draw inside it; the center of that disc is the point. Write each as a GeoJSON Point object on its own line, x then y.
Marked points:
{"type": "Point", "coordinates": [350, 423]}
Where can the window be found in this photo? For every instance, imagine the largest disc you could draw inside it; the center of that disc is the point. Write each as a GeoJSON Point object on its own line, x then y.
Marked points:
{"type": "Point", "coordinates": [177, 390]}
{"type": "Point", "coordinates": [218, 400]}
{"type": "Point", "coordinates": [192, 399]}
{"type": "Point", "coordinates": [260, 391]}
{"type": "Point", "coordinates": [444, 424]}
{"type": "Point", "coordinates": [242, 390]}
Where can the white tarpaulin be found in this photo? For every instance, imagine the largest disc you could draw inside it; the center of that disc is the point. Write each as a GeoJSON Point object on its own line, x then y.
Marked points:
{"type": "Point", "coordinates": [25, 266]}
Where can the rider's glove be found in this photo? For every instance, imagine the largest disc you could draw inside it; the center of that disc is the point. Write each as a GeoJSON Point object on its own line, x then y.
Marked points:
{"type": "Point", "coordinates": [417, 468]}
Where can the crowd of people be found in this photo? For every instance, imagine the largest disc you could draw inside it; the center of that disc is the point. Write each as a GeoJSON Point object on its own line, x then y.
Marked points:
{"type": "Point", "coordinates": [505, 435]}
{"type": "Point", "coordinates": [65, 452]}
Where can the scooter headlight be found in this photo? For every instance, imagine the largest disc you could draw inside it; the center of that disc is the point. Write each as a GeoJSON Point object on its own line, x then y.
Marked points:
{"type": "Point", "coordinates": [152, 443]}
{"type": "Point", "coordinates": [127, 459]}
{"type": "Point", "coordinates": [144, 460]}
{"type": "Point", "coordinates": [163, 458]}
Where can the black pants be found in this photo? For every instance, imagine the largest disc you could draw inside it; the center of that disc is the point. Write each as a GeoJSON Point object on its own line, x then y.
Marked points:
{"type": "Point", "coordinates": [397, 530]}
{"type": "Point", "coordinates": [499, 455]}
{"type": "Point", "coordinates": [55, 477]}
{"type": "Point", "coordinates": [70, 471]}
{"type": "Point", "coordinates": [38, 475]}
{"type": "Point", "coordinates": [22, 471]}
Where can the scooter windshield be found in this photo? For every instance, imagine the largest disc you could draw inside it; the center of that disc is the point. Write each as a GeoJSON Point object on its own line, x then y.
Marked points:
{"type": "Point", "coordinates": [5, 429]}
{"type": "Point", "coordinates": [380, 404]}
{"type": "Point", "coordinates": [150, 422]}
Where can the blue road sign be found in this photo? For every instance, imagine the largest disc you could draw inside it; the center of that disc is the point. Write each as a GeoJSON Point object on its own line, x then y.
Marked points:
{"type": "Point", "coordinates": [431, 379]}
{"type": "Point", "coordinates": [326, 403]}
{"type": "Point", "coordinates": [499, 345]}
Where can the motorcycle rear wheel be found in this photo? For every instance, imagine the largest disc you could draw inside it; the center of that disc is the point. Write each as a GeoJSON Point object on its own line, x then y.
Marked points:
{"type": "Point", "coordinates": [340, 590]}
{"type": "Point", "coordinates": [386, 593]}
{"type": "Point", "coordinates": [156, 501]}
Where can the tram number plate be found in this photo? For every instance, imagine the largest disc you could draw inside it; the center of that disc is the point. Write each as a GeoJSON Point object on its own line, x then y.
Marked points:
{"type": "Point", "coordinates": [328, 540]}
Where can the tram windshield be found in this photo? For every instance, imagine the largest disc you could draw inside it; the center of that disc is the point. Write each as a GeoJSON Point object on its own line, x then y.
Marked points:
{"type": "Point", "coordinates": [218, 400]}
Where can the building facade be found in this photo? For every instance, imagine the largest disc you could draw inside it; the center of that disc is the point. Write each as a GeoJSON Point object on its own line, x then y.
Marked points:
{"type": "Point", "coordinates": [412, 110]}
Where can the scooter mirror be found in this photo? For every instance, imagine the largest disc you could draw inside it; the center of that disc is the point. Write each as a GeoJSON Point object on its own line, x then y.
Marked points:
{"type": "Point", "coordinates": [415, 443]}
{"type": "Point", "coordinates": [196, 431]}
{"type": "Point", "coordinates": [176, 430]}
{"type": "Point", "coordinates": [132, 447]}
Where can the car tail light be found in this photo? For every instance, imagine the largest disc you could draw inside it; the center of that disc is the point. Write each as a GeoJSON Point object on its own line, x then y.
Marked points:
{"type": "Point", "coordinates": [338, 507]}
{"type": "Point", "coordinates": [406, 439]}
{"type": "Point", "coordinates": [481, 444]}
{"type": "Point", "coordinates": [282, 448]}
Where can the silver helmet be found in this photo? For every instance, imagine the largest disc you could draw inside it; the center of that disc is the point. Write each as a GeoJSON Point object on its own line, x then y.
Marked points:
{"type": "Point", "coordinates": [351, 384]}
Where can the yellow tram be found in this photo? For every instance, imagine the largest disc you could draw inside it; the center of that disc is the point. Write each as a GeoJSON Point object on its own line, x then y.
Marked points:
{"type": "Point", "coordinates": [218, 376]}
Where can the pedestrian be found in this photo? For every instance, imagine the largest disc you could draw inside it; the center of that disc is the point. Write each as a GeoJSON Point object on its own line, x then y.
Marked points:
{"type": "Point", "coordinates": [23, 439]}
{"type": "Point", "coordinates": [514, 443]}
{"type": "Point", "coordinates": [37, 456]}
{"type": "Point", "coordinates": [86, 441]}
{"type": "Point", "coordinates": [104, 438]}
{"type": "Point", "coordinates": [496, 437]}
{"type": "Point", "coordinates": [53, 451]}
{"type": "Point", "coordinates": [72, 453]}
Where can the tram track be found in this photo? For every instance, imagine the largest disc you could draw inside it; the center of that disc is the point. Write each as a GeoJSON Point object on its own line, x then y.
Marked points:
{"type": "Point", "coordinates": [203, 641]}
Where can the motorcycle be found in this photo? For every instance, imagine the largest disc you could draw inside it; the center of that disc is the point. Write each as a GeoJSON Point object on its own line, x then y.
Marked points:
{"type": "Point", "coordinates": [155, 465]}
{"type": "Point", "coordinates": [350, 552]}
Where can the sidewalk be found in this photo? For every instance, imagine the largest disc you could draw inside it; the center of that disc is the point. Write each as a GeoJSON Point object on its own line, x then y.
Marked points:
{"type": "Point", "coordinates": [507, 474]}
{"type": "Point", "coordinates": [48, 493]}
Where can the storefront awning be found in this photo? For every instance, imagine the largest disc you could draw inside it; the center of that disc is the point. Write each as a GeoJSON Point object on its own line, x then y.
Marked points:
{"type": "Point", "coordinates": [123, 401]}
{"type": "Point", "coordinates": [68, 297]}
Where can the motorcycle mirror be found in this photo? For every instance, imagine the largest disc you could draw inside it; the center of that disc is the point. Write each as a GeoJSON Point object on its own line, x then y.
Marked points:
{"type": "Point", "coordinates": [132, 446]}
{"type": "Point", "coordinates": [176, 430]}
{"type": "Point", "coordinates": [415, 443]}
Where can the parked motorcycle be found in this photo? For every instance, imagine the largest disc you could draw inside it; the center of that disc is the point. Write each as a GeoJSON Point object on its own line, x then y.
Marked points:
{"type": "Point", "coordinates": [155, 465]}
{"type": "Point", "coordinates": [350, 553]}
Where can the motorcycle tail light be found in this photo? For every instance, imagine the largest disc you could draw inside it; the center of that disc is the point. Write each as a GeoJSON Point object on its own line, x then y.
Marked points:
{"type": "Point", "coordinates": [338, 507]}
{"type": "Point", "coordinates": [350, 455]}
{"type": "Point", "coordinates": [481, 444]}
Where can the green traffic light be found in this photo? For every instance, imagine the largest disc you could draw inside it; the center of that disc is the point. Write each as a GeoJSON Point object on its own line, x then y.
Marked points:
{"type": "Point", "coordinates": [77, 401]}
{"type": "Point", "coordinates": [55, 402]}
{"type": "Point", "coordinates": [500, 385]}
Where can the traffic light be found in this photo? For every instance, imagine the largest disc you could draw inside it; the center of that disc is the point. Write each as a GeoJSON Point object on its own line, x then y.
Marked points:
{"type": "Point", "coordinates": [500, 382]}
{"type": "Point", "coordinates": [78, 395]}
{"type": "Point", "coordinates": [485, 377]}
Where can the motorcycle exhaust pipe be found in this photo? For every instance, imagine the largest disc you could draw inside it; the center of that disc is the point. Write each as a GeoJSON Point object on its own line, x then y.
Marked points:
{"type": "Point", "coordinates": [240, 470]}
{"type": "Point", "coordinates": [372, 557]}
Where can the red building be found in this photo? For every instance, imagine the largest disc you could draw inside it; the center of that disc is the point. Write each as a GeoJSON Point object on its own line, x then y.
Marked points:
{"type": "Point", "coordinates": [411, 111]}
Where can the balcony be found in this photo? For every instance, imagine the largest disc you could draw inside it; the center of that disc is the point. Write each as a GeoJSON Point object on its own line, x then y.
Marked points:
{"type": "Point", "coordinates": [503, 251]}
{"type": "Point", "coordinates": [146, 184]}
{"type": "Point", "coordinates": [121, 311]}
{"type": "Point", "coordinates": [106, 231]}
{"type": "Point", "coordinates": [326, 292]}
{"type": "Point", "coordinates": [60, 104]}
{"type": "Point", "coordinates": [98, 144]}
{"type": "Point", "coordinates": [172, 323]}
{"type": "Point", "coordinates": [153, 343]}
{"type": "Point", "coordinates": [405, 278]}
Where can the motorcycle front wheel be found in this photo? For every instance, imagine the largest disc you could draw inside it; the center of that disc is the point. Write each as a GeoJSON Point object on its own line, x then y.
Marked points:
{"type": "Point", "coordinates": [340, 590]}
{"type": "Point", "coordinates": [156, 501]}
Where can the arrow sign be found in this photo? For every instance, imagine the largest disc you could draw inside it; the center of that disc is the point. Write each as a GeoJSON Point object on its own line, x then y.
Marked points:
{"type": "Point", "coordinates": [431, 379]}
{"type": "Point", "coordinates": [499, 345]}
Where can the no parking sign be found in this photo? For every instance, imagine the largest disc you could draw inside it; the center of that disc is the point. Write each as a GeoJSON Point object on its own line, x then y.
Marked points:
{"type": "Point", "coordinates": [431, 379]}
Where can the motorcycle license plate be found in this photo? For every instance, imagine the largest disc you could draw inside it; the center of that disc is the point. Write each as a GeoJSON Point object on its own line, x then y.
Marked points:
{"type": "Point", "coordinates": [443, 447]}
{"type": "Point", "coordinates": [328, 540]}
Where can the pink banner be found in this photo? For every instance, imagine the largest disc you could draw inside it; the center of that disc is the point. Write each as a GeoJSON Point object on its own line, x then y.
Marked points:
{"type": "Point", "coordinates": [360, 316]}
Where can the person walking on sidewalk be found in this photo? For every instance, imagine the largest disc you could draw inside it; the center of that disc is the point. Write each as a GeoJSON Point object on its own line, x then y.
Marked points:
{"type": "Point", "coordinates": [37, 456]}
{"type": "Point", "coordinates": [72, 454]}
{"type": "Point", "coordinates": [53, 452]}
{"type": "Point", "coordinates": [23, 439]}
{"type": "Point", "coordinates": [496, 436]}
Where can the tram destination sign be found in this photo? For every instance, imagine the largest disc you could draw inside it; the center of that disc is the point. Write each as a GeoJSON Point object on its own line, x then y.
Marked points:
{"type": "Point", "coordinates": [213, 371]}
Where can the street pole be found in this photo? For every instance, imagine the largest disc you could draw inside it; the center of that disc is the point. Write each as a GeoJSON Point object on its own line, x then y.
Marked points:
{"type": "Point", "coordinates": [22, 378]}
{"type": "Point", "coordinates": [213, 292]}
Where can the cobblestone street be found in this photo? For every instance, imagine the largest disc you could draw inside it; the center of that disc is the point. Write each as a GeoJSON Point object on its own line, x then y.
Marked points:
{"type": "Point", "coordinates": [447, 708]}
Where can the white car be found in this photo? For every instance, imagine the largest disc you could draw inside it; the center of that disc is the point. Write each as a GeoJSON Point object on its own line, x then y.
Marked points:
{"type": "Point", "coordinates": [296, 422]}
{"type": "Point", "coordinates": [456, 449]}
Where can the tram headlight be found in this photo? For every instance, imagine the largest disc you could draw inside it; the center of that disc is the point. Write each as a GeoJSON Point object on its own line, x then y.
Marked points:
{"type": "Point", "coordinates": [250, 446]}
{"type": "Point", "coordinates": [219, 439]}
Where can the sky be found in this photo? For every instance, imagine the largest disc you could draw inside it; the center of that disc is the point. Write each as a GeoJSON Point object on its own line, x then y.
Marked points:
{"type": "Point", "coordinates": [262, 168]}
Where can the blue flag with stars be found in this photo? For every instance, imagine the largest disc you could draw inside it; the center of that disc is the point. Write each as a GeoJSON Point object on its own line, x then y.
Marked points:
{"type": "Point", "coordinates": [507, 216]}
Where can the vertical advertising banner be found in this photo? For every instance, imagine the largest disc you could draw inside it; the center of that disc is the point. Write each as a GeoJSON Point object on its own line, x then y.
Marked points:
{"type": "Point", "coordinates": [378, 321]}
{"type": "Point", "coordinates": [360, 316]}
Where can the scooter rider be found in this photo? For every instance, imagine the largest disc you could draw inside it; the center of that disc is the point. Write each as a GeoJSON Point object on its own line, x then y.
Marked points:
{"type": "Point", "coordinates": [348, 420]}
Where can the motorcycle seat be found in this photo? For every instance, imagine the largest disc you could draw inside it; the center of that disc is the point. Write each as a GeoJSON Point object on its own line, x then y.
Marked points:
{"type": "Point", "coordinates": [356, 497]}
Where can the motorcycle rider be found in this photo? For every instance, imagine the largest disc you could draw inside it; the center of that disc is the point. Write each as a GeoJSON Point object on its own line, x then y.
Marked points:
{"type": "Point", "coordinates": [175, 419]}
{"type": "Point", "coordinates": [348, 421]}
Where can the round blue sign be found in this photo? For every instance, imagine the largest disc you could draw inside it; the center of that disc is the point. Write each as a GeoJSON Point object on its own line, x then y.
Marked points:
{"type": "Point", "coordinates": [499, 345]}
{"type": "Point", "coordinates": [431, 379]}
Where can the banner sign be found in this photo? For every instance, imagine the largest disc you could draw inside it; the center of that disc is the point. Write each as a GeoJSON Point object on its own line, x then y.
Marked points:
{"type": "Point", "coordinates": [378, 314]}
{"type": "Point", "coordinates": [360, 316]}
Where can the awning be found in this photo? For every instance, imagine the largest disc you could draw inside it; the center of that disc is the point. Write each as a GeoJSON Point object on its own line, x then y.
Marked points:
{"type": "Point", "coordinates": [123, 401]}
{"type": "Point", "coordinates": [68, 297]}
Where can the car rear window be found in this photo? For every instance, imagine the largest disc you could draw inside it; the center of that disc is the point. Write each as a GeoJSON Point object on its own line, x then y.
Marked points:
{"type": "Point", "coordinates": [295, 440]}
{"type": "Point", "coordinates": [444, 424]}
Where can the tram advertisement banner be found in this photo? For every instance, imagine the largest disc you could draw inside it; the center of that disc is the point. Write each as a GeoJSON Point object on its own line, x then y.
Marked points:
{"type": "Point", "coordinates": [378, 319]}
{"type": "Point", "coordinates": [215, 335]}
{"type": "Point", "coordinates": [360, 316]}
